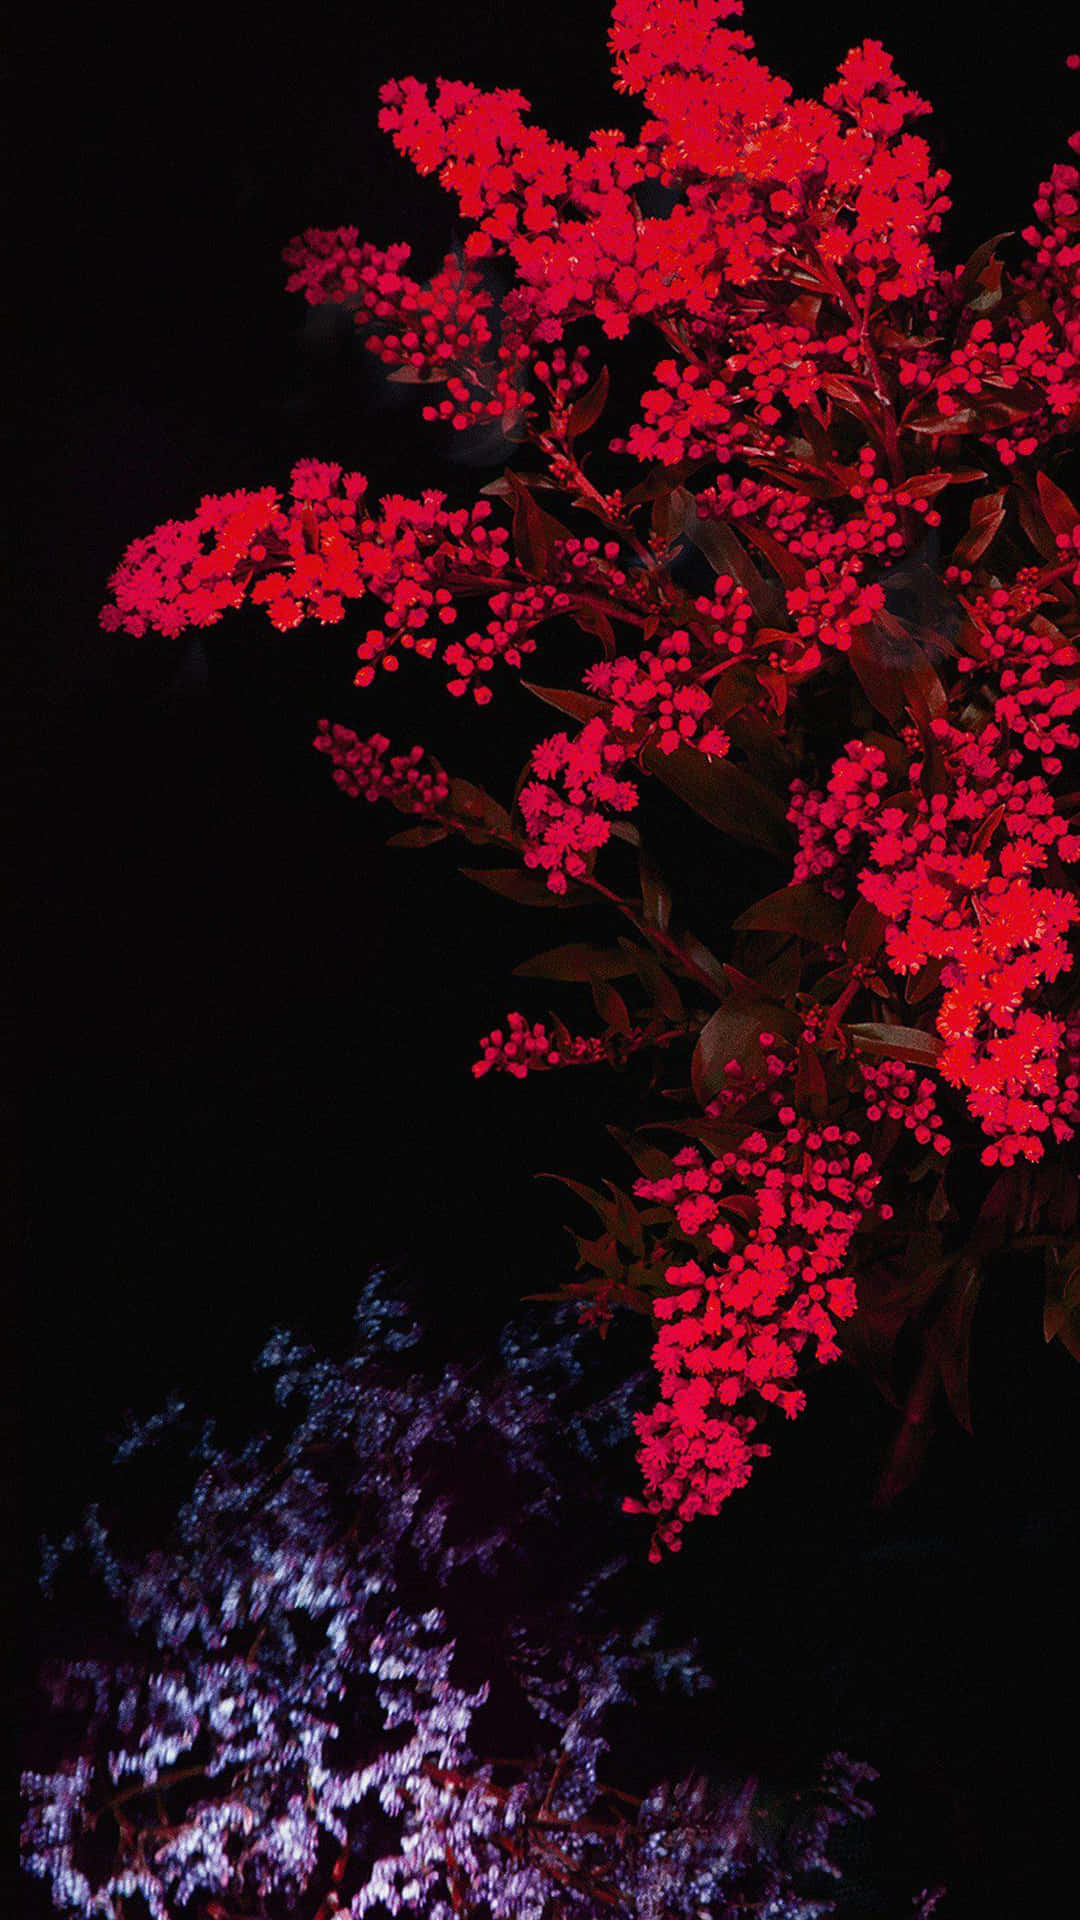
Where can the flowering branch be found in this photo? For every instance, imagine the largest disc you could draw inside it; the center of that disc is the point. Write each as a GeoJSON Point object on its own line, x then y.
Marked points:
{"type": "Point", "coordinates": [877, 692]}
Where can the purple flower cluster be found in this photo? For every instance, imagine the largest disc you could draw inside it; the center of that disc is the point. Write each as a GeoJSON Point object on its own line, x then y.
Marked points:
{"type": "Point", "coordinates": [303, 1716]}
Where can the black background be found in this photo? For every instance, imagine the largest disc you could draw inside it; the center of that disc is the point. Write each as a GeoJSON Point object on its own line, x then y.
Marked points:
{"type": "Point", "coordinates": [242, 1029]}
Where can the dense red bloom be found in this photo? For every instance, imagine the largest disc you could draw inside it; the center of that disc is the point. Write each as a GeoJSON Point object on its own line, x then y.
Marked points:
{"type": "Point", "coordinates": [958, 898]}
{"type": "Point", "coordinates": [565, 828]}
{"type": "Point", "coordinates": [895, 652]}
{"type": "Point", "coordinates": [656, 693]}
{"type": "Point", "coordinates": [755, 1285]}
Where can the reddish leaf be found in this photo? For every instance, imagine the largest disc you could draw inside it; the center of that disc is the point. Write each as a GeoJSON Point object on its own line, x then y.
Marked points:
{"type": "Point", "coordinates": [811, 1087]}
{"type": "Point", "coordinates": [660, 480]}
{"type": "Point", "coordinates": [924, 486]}
{"type": "Point", "coordinates": [734, 689]}
{"type": "Point", "coordinates": [626, 1221]}
{"type": "Point", "coordinates": [424, 835]}
{"type": "Point", "coordinates": [865, 931]}
{"type": "Point", "coordinates": [804, 310]}
{"type": "Point", "coordinates": [787, 567]}
{"type": "Point", "coordinates": [921, 984]}
{"type": "Point", "coordinates": [412, 377]}
{"type": "Point", "coordinates": [949, 1338]}
{"type": "Point", "coordinates": [723, 794]}
{"type": "Point", "coordinates": [651, 1162]}
{"type": "Point", "coordinates": [580, 706]}
{"type": "Point", "coordinates": [1061, 515]}
{"type": "Point", "coordinates": [892, 669]}
{"type": "Point", "coordinates": [611, 1006]}
{"type": "Point", "coordinates": [781, 976]}
{"type": "Point", "coordinates": [577, 961]}
{"type": "Point", "coordinates": [656, 901]}
{"type": "Point", "coordinates": [585, 412]}
{"type": "Point", "coordinates": [896, 1043]}
{"type": "Point", "coordinates": [797, 476]}
{"type": "Point", "coordinates": [971, 278]}
{"type": "Point", "coordinates": [845, 392]}
{"type": "Point", "coordinates": [595, 620]}
{"type": "Point", "coordinates": [964, 420]}
{"type": "Point", "coordinates": [534, 531]}
{"type": "Point", "coordinates": [502, 489]}
{"type": "Point", "coordinates": [801, 909]}
{"type": "Point", "coordinates": [727, 556]}
{"type": "Point", "coordinates": [984, 522]}
{"type": "Point", "coordinates": [472, 803]}
{"type": "Point", "coordinates": [1034, 524]}
{"type": "Point", "coordinates": [665, 519]}
{"type": "Point", "coordinates": [595, 1200]}
{"type": "Point", "coordinates": [660, 987]}
{"type": "Point", "coordinates": [705, 961]}
{"type": "Point", "coordinates": [1061, 1313]}
{"type": "Point", "coordinates": [730, 1034]}
{"type": "Point", "coordinates": [777, 686]}
{"type": "Point", "coordinates": [525, 888]}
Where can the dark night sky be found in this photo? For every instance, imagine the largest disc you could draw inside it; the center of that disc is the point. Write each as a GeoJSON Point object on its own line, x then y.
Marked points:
{"type": "Point", "coordinates": [243, 1029]}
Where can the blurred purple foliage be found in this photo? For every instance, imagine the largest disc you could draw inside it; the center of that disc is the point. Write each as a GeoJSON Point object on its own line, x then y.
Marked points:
{"type": "Point", "coordinates": [308, 1688]}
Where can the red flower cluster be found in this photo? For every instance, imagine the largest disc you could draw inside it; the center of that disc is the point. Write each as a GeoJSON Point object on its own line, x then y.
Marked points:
{"type": "Point", "coordinates": [563, 830]}
{"type": "Point", "coordinates": [524, 1047]}
{"type": "Point", "coordinates": [767, 1229]}
{"type": "Point", "coordinates": [296, 562]}
{"type": "Point", "coordinates": [428, 332]}
{"type": "Point", "coordinates": [895, 1091]}
{"type": "Point", "coordinates": [1032, 361]}
{"type": "Point", "coordinates": [948, 871]}
{"type": "Point", "coordinates": [656, 692]}
{"type": "Point", "coordinates": [686, 415]}
{"type": "Point", "coordinates": [362, 770]}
